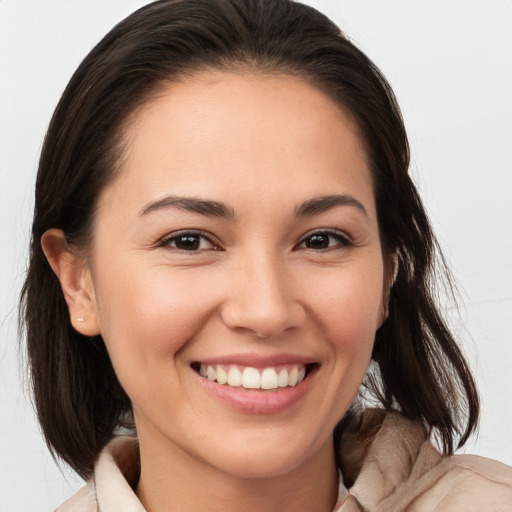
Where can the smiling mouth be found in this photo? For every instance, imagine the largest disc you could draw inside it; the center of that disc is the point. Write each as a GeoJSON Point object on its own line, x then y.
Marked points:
{"type": "Point", "coordinates": [248, 377]}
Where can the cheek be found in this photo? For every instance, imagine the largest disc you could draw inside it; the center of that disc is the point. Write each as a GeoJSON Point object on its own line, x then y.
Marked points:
{"type": "Point", "coordinates": [349, 307]}
{"type": "Point", "coordinates": [346, 308]}
{"type": "Point", "coordinates": [150, 314]}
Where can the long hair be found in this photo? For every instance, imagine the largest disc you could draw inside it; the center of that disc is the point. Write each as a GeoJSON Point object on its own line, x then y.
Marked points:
{"type": "Point", "coordinates": [417, 366]}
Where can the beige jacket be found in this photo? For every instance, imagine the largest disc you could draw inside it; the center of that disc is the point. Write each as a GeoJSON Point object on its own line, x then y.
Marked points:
{"type": "Point", "coordinates": [387, 463]}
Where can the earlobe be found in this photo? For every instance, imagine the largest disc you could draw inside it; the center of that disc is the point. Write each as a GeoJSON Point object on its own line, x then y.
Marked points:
{"type": "Point", "coordinates": [75, 281]}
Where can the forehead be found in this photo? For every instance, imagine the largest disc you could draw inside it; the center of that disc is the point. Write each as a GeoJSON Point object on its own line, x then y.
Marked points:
{"type": "Point", "coordinates": [216, 132]}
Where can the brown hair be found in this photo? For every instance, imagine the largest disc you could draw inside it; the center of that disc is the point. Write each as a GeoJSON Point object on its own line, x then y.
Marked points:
{"type": "Point", "coordinates": [417, 366]}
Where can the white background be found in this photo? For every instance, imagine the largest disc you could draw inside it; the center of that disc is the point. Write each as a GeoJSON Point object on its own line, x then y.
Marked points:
{"type": "Point", "coordinates": [450, 63]}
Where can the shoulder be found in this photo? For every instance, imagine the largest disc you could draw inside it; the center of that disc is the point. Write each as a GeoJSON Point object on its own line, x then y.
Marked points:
{"type": "Point", "coordinates": [390, 464]}
{"type": "Point", "coordinates": [83, 501]}
{"type": "Point", "coordinates": [111, 489]}
{"type": "Point", "coordinates": [467, 482]}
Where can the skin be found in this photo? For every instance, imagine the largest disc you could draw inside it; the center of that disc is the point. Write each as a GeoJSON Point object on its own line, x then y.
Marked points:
{"type": "Point", "coordinates": [262, 146]}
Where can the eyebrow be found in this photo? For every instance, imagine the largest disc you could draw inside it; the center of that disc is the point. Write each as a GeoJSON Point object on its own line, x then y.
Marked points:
{"type": "Point", "coordinates": [216, 209]}
{"type": "Point", "coordinates": [190, 204]}
{"type": "Point", "coordinates": [324, 203]}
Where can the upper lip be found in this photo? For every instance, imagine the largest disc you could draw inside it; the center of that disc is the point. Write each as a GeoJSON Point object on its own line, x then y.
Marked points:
{"type": "Point", "coordinates": [258, 360]}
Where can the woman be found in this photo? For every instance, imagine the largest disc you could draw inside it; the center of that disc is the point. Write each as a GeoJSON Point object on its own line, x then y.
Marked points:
{"type": "Point", "coordinates": [229, 253]}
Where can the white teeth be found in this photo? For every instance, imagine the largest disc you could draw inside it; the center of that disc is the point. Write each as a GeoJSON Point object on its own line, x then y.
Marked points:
{"type": "Point", "coordinates": [211, 373]}
{"type": "Point", "coordinates": [282, 378]}
{"type": "Point", "coordinates": [292, 378]}
{"type": "Point", "coordinates": [252, 378]}
{"type": "Point", "coordinates": [234, 376]}
{"type": "Point", "coordinates": [269, 379]}
{"type": "Point", "coordinates": [222, 376]}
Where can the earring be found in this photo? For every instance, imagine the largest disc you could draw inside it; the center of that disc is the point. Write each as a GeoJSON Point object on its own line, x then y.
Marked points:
{"type": "Point", "coordinates": [80, 319]}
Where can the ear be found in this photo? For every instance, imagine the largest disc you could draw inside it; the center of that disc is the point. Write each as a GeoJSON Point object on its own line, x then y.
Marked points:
{"type": "Point", "coordinates": [75, 280]}
{"type": "Point", "coordinates": [389, 281]}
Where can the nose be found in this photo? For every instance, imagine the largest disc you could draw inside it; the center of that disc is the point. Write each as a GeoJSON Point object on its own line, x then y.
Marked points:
{"type": "Point", "coordinates": [262, 300]}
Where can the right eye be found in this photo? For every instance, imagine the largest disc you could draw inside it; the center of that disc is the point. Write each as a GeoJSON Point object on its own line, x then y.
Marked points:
{"type": "Point", "coordinates": [189, 241]}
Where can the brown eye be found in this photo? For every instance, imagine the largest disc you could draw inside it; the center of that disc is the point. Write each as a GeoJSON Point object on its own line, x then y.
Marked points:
{"type": "Point", "coordinates": [189, 241]}
{"type": "Point", "coordinates": [325, 240]}
{"type": "Point", "coordinates": [317, 241]}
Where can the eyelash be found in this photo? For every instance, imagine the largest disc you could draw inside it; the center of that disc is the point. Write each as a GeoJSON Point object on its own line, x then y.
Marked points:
{"type": "Point", "coordinates": [198, 235]}
{"type": "Point", "coordinates": [342, 241]}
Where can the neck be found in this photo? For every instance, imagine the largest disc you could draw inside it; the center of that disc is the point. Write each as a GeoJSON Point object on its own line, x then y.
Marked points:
{"type": "Point", "coordinates": [172, 479]}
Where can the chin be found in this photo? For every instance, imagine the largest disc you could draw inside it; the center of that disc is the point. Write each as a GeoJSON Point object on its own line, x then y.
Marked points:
{"type": "Point", "coordinates": [262, 465]}
{"type": "Point", "coordinates": [264, 456]}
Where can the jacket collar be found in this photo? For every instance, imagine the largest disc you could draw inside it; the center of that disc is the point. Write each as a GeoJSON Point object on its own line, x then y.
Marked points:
{"type": "Point", "coordinates": [379, 451]}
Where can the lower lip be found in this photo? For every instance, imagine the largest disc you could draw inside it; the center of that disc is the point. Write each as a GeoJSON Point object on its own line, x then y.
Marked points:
{"type": "Point", "coordinates": [257, 401]}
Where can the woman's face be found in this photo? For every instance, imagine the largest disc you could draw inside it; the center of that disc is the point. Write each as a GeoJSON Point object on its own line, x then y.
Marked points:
{"type": "Point", "coordinates": [240, 241]}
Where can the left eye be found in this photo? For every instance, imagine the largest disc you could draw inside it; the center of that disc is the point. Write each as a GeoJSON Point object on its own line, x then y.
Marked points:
{"type": "Point", "coordinates": [325, 240]}
{"type": "Point", "coordinates": [189, 242]}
